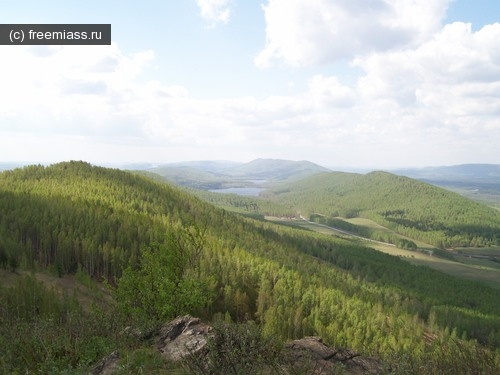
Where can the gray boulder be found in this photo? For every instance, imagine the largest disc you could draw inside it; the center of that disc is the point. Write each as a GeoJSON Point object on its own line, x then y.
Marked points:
{"type": "Point", "coordinates": [181, 337]}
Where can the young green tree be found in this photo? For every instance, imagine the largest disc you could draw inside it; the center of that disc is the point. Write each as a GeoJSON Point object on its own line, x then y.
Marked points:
{"type": "Point", "coordinates": [165, 283]}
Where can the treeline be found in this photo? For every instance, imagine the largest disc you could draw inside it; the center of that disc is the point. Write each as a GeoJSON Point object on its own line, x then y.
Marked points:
{"type": "Point", "coordinates": [409, 207]}
{"type": "Point", "coordinates": [294, 283]}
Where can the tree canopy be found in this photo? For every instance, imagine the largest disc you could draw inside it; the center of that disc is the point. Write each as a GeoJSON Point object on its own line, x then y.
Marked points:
{"type": "Point", "coordinates": [166, 252]}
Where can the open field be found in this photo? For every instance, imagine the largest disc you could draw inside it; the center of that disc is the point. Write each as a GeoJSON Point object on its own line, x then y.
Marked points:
{"type": "Point", "coordinates": [484, 258]}
{"type": "Point", "coordinates": [360, 221]}
{"type": "Point", "coordinates": [493, 251]}
{"type": "Point", "coordinates": [481, 270]}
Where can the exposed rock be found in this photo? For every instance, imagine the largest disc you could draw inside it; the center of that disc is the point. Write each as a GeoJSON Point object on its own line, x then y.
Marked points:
{"type": "Point", "coordinates": [187, 335]}
{"type": "Point", "coordinates": [313, 353]}
{"type": "Point", "coordinates": [181, 337]}
{"type": "Point", "coordinates": [107, 365]}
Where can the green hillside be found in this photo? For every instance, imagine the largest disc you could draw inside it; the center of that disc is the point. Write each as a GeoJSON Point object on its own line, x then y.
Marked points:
{"type": "Point", "coordinates": [412, 208]}
{"type": "Point", "coordinates": [165, 252]}
{"type": "Point", "coordinates": [72, 213]}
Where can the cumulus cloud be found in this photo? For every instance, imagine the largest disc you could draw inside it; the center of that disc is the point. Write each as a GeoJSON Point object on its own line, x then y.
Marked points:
{"type": "Point", "coordinates": [302, 33]}
{"type": "Point", "coordinates": [98, 98]}
{"type": "Point", "coordinates": [329, 92]}
{"type": "Point", "coordinates": [444, 92]}
{"type": "Point", "coordinates": [457, 72]}
{"type": "Point", "coordinates": [215, 11]}
{"type": "Point", "coordinates": [431, 102]}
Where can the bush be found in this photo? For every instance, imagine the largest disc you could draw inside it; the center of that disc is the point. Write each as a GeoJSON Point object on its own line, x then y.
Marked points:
{"type": "Point", "coordinates": [237, 349]}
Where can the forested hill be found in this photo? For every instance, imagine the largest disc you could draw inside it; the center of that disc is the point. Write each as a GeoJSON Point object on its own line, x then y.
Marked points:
{"type": "Point", "coordinates": [77, 218]}
{"type": "Point", "coordinates": [416, 209]}
{"type": "Point", "coordinates": [275, 169]}
{"type": "Point", "coordinates": [72, 214]}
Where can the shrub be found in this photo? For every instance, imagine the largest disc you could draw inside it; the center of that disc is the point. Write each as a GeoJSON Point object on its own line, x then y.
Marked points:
{"type": "Point", "coordinates": [237, 349]}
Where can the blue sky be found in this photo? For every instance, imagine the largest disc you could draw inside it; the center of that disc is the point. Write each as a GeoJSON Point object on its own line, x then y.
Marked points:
{"type": "Point", "coordinates": [361, 84]}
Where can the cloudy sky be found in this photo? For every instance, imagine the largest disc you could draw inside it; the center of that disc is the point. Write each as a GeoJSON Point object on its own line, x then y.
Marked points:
{"type": "Point", "coordinates": [351, 83]}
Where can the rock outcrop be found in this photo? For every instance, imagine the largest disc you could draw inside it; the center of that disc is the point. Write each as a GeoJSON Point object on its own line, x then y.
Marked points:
{"type": "Point", "coordinates": [181, 337]}
{"type": "Point", "coordinates": [311, 352]}
{"type": "Point", "coordinates": [186, 335]}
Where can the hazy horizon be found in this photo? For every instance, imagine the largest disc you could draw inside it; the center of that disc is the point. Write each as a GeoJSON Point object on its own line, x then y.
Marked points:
{"type": "Point", "coordinates": [6, 165]}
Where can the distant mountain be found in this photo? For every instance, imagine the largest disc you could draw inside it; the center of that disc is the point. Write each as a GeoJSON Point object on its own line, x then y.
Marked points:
{"type": "Point", "coordinates": [484, 173]}
{"type": "Point", "coordinates": [214, 166]}
{"type": "Point", "coordinates": [208, 175]}
{"type": "Point", "coordinates": [191, 176]}
{"type": "Point", "coordinates": [275, 169]}
{"type": "Point", "coordinates": [480, 182]}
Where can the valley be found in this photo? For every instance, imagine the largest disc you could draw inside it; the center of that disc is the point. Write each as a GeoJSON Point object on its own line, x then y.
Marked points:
{"type": "Point", "coordinates": [91, 250]}
{"type": "Point", "coordinates": [473, 264]}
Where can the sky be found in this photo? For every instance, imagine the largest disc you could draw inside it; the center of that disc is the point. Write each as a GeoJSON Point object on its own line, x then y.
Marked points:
{"type": "Point", "coordinates": [349, 83]}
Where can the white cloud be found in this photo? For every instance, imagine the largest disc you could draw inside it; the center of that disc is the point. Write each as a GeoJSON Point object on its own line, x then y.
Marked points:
{"type": "Point", "coordinates": [432, 103]}
{"type": "Point", "coordinates": [65, 90]}
{"type": "Point", "coordinates": [456, 73]}
{"type": "Point", "coordinates": [215, 11]}
{"type": "Point", "coordinates": [302, 33]}
{"type": "Point", "coordinates": [329, 92]}
{"type": "Point", "coordinates": [97, 101]}
{"type": "Point", "coordinates": [442, 97]}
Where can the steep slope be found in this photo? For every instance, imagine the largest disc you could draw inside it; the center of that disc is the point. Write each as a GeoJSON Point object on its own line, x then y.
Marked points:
{"type": "Point", "coordinates": [296, 283]}
{"type": "Point", "coordinates": [410, 207]}
{"type": "Point", "coordinates": [73, 213]}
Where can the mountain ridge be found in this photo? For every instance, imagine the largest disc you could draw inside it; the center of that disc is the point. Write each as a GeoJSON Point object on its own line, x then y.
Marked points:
{"type": "Point", "coordinates": [219, 175]}
{"type": "Point", "coordinates": [459, 172]}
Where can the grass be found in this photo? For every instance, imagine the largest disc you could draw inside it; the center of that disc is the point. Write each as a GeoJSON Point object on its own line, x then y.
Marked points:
{"type": "Point", "coordinates": [146, 360]}
{"type": "Point", "coordinates": [493, 251]}
{"type": "Point", "coordinates": [484, 271]}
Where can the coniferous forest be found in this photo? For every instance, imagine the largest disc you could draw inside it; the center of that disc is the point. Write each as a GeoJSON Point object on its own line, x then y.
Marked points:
{"type": "Point", "coordinates": [145, 252]}
{"type": "Point", "coordinates": [412, 208]}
